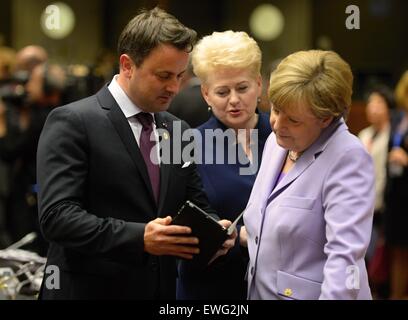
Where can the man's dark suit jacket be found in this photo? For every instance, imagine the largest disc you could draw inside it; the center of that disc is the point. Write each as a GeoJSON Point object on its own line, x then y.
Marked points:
{"type": "Point", "coordinates": [95, 198]}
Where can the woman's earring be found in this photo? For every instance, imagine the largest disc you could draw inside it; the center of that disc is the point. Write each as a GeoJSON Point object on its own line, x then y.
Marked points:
{"type": "Point", "coordinates": [209, 109]}
{"type": "Point", "coordinates": [258, 100]}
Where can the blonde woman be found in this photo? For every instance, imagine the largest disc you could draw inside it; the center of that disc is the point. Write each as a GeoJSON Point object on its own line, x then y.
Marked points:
{"type": "Point", "coordinates": [310, 213]}
{"type": "Point", "coordinates": [228, 65]}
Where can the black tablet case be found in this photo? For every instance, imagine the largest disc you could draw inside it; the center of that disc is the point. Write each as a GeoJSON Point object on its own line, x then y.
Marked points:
{"type": "Point", "coordinates": [210, 233]}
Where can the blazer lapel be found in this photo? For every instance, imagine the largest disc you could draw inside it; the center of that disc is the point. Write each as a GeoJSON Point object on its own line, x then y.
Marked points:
{"type": "Point", "coordinates": [301, 165]}
{"type": "Point", "coordinates": [124, 131]}
{"type": "Point", "coordinates": [309, 156]}
{"type": "Point", "coordinates": [273, 160]}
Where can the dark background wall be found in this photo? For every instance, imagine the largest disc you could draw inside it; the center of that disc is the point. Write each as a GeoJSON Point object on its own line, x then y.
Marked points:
{"type": "Point", "coordinates": [379, 47]}
{"type": "Point", "coordinates": [5, 22]}
{"type": "Point", "coordinates": [203, 16]}
{"type": "Point", "coordinates": [379, 50]}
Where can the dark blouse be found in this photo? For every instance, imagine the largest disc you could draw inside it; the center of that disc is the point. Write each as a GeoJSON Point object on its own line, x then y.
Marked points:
{"type": "Point", "coordinates": [228, 192]}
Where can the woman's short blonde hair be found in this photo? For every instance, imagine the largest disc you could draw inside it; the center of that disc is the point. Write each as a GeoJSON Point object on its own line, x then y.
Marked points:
{"type": "Point", "coordinates": [321, 79]}
{"type": "Point", "coordinates": [401, 91]}
{"type": "Point", "coordinates": [226, 49]}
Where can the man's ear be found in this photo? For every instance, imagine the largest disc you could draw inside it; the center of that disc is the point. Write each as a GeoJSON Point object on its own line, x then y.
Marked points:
{"type": "Point", "coordinates": [126, 65]}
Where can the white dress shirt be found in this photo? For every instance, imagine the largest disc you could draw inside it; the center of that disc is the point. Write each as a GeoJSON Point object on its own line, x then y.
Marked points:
{"type": "Point", "coordinates": [130, 110]}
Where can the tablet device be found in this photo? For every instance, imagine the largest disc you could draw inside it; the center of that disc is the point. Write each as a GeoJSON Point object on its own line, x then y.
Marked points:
{"type": "Point", "coordinates": [210, 233]}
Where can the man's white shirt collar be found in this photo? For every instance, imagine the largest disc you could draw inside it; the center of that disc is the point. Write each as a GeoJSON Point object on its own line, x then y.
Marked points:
{"type": "Point", "coordinates": [128, 108]}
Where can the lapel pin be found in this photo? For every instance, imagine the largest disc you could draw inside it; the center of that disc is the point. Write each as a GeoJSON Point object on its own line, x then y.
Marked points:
{"type": "Point", "coordinates": [165, 135]}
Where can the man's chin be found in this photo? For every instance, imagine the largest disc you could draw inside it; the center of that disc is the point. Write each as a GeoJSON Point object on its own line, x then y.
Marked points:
{"type": "Point", "coordinates": [159, 108]}
{"type": "Point", "coordinates": [163, 106]}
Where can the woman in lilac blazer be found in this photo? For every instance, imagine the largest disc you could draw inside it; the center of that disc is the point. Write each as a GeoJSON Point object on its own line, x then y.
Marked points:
{"type": "Point", "coordinates": [309, 216]}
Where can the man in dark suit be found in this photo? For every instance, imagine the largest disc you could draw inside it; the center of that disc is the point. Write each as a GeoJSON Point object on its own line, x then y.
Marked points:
{"type": "Point", "coordinates": [104, 205]}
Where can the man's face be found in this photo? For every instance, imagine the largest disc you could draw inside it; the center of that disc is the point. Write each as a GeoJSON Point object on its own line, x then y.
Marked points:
{"type": "Point", "coordinates": [153, 84]}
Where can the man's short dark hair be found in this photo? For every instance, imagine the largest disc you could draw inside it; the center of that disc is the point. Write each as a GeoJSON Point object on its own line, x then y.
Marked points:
{"type": "Point", "coordinates": [151, 28]}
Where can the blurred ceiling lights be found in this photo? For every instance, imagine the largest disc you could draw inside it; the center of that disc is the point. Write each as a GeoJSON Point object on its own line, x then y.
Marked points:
{"type": "Point", "coordinates": [266, 22]}
{"type": "Point", "coordinates": [57, 20]}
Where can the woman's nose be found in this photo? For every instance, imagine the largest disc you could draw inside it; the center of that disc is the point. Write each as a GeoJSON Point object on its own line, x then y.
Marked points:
{"type": "Point", "coordinates": [234, 99]}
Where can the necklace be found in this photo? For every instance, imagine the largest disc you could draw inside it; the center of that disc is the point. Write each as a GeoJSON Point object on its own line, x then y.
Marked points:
{"type": "Point", "coordinates": [294, 156]}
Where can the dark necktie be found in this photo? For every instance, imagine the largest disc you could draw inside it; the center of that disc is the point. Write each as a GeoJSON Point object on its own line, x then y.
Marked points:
{"type": "Point", "coordinates": [146, 146]}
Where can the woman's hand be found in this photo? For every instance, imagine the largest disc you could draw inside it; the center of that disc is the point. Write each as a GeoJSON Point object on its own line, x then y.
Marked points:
{"type": "Point", "coordinates": [228, 244]}
{"type": "Point", "coordinates": [243, 237]}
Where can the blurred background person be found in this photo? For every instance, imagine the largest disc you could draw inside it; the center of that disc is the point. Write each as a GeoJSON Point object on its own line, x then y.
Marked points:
{"type": "Point", "coordinates": [5, 239]}
{"type": "Point", "coordinates": [7, 61]}
{"type": "Point", "coordinates": [228, 65]}
{"type": "Point", "coordinates": [396, 205]}
{"type": "Point", "coordinates": [380, 104]}
{"type": "Point", "coordinates": [309, 216]}
{"type": "Point", "coordinates": [29, 57]}
{"type": "Point", "coordinates": [189, 105]}
{"type": "Point", "coordinates": [18, 146]}
{"type": "Point", "coordinates": [13, 91]}
{"type": "Point", "coordinates": [106, 66]}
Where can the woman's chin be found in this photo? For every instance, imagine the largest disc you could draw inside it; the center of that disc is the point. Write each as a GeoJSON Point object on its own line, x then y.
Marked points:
{"type": "Point", "coordinates": [282, 143]}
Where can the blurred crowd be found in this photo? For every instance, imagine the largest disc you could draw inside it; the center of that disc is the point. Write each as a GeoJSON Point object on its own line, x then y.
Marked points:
{"type": "Point", "coordinates": [386, 139]}
{"type": "Point", "coordinates": [30, 87]}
